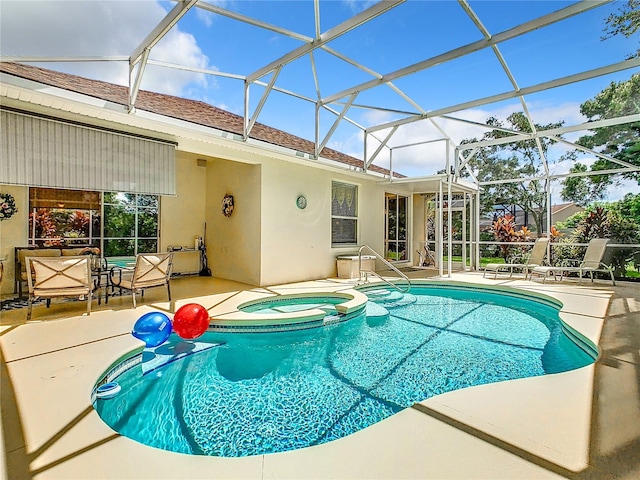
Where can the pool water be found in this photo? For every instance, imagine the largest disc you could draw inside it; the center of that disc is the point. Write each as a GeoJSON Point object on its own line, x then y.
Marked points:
{"type": "Point", "coordinates": [257, 393]}
{"type": "Point", "coordinates": [293, 304]}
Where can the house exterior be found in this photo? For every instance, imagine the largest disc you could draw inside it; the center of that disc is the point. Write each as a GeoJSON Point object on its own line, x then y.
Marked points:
{"type": "Point", "coordinates": [66, 132]}
{"type": "Point", "coordinates": [560, 212]}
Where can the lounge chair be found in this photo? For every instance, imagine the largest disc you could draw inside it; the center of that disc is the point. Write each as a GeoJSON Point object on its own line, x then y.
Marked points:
{"type": "Point", "coordinates": [591, 263]}
{"type": "Point", "coordinates": [52, 277]}
{"type": "Point", "coordinates": [535, 259]}
{"type": "Point", "coordinates": [151, 270]}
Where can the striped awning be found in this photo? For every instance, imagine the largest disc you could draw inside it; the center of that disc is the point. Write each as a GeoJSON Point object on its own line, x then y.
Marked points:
{"type": "Point", "coordinates": [45, 152]}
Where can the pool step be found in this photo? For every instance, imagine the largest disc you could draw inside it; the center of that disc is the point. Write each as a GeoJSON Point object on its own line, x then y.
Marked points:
{"type": "Point", "coordinates": [379, 293]}
{"type": "Point", "coordinates": [391, 298]}
{"type": "Point", "coordinates": [375, 311]}
{"type": "Point", "coordinates": [404, 299]}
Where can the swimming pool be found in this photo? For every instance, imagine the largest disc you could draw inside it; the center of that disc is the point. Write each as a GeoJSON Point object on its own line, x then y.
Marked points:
{"type": "Point", "coordinates": [253, 393]}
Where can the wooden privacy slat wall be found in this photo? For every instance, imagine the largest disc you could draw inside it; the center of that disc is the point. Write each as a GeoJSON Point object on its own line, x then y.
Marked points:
{"type": "Point", "coordinates": [48, 153]}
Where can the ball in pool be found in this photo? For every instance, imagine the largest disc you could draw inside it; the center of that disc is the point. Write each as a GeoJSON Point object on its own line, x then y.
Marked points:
{"type": "Point", "coordinates": [190, 321]}
{"type": "Point", "coordinates": [152, 328]}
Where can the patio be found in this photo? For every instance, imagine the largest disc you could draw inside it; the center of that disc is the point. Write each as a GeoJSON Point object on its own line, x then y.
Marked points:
{"type": "Point", "coordinates": [578, 424]}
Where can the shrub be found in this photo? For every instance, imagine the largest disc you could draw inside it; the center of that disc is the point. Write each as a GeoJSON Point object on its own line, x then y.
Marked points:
{"type": "Point", "coordinates": [503, 229]}
{"type": "Point", "coordinates": [604, 221]}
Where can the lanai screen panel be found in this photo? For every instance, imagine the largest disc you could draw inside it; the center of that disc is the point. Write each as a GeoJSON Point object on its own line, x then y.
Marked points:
{"type": "Point", "coordinates": [42, 152]}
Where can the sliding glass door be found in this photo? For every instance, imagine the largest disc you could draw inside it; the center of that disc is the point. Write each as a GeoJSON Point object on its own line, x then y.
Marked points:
{"type": "Point", "coordinates": [396, 241]}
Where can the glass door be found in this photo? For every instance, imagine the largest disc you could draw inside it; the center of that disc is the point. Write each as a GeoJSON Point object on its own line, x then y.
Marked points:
{"type": "Point", "coordinates": [396, 242]}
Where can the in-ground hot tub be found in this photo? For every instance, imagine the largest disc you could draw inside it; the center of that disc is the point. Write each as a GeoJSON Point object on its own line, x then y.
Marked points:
{"type": "Point", "coordinates": [299, 310]}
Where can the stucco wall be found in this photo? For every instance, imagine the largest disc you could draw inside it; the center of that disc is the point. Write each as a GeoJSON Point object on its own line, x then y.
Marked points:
{"type": "Point", "coordinates": [233, 243]}
{"type": "Point", "coordinates": [296, 243]}
{"type": "Point", "coordinates": [182, 216]}
{"type": "Point", "coordinates": [13, 233]}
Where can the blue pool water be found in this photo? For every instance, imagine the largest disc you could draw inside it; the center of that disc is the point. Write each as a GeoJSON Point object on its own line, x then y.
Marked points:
{"type": "Point", "coordinates": [294, 304]}
{"type": "Point", "coordinates": [255, 393]}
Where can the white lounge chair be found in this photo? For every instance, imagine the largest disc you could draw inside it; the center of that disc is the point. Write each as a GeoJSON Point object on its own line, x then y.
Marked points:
{"type": "Point", "coordinates": [591, 263]}
{"type": "Point", "coordinates": [53, 277]}
{"type": "Point", "coordinates": [535, 259]}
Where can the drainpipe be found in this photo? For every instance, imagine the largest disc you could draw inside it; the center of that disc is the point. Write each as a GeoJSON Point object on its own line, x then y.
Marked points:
{"type": "Point", "coordinates": [440, 245]}
{"type": "Point", "coordinates": [449, 219]}
{"type": "Point", "coordinates": [548, 190]}
{"type": "Point", "coordinates": [476, 196]}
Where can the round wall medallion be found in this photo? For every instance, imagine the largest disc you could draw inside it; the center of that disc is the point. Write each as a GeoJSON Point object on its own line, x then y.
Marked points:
{"type": "Point", "coordinates": [301, 202]}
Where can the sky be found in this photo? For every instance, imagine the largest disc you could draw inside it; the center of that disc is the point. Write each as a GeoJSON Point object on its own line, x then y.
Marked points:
{"type": "Point", "coordinates": [405, 35]}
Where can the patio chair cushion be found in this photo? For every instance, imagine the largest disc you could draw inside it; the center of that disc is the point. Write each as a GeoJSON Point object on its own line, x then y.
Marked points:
{"type": "Point", "coordinates": [66, 275]}
{"type": "Point", "coordinates": [59, 292]}
{"type": "Point", "coordinates": [43, 252]}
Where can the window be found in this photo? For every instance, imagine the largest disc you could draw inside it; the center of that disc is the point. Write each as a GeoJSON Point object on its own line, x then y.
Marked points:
{"type": "Point", "coordinates": [74, 217]}
{"type": "Point", "coordinates": [396, 223]}
{"type": "Point", "coordinates": [130, 224]}
{"type": "Point", "coordinates": [344, 214]}
{"type": "Point", "coordinates": [63, 217]}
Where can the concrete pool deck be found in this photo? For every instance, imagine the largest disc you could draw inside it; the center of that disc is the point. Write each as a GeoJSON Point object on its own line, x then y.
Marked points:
{"type": "Point", "coordinates": [579, 424]}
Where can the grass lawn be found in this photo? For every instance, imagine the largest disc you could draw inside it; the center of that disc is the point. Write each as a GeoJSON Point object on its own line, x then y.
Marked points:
{"type": "Point", "coordinates": [483, 260]}
{"type": "Point", "coordinates": [631, 272]}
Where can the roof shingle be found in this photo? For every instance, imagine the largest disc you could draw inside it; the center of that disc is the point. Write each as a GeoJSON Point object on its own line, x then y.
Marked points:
{"type": "Point", "coordinates": [193, 111]}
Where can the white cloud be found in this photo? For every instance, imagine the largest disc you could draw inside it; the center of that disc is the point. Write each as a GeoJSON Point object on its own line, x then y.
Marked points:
{"type": "Point", "coordinates": [180, 48]}
{"type": "Point", "coordinates": [357, 6]}
{"type": "Point", "coordinates": [205, 16]}
{"type": "Point", "coordinates": [100, 28]}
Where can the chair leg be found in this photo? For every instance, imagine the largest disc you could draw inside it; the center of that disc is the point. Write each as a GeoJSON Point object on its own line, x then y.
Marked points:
{"type": "Point", "coordinates": [29, 308]}
{"type": "Point", "coordinates": [168, 291]}
{"type": "Point", "coordinates": [133, 296]}
{"type": "Point", "coordinates": [89, 298]}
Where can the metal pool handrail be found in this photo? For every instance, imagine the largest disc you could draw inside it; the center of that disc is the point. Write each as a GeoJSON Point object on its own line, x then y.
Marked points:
{"type": "Point", "coordinates": [366, 273]}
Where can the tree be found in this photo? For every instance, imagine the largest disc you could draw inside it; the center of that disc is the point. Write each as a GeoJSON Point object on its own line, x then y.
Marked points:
{"type": "Point", "coordinates": [623, 98]}
{"type": "Point", "coordinates": [582, 190]}
{"type": "Point", "coordinates": [520, 159]}
{"type": "Point", "coordinates": [618, 141]}
{"type": "Point", "coordinates": [626, 22]}
{"type": "Point", "coordinates": [628, 207]}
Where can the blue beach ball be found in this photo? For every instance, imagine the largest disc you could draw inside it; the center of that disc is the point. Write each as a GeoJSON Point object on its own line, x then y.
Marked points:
{"type": "Point", "coordinates": [152, 328]}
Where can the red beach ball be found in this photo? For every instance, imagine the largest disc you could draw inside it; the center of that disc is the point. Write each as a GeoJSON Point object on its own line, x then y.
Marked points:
{"type": "Point", "coordinates": [190, 321]}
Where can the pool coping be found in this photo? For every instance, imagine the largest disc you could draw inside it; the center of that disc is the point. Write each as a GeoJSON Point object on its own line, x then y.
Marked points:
{"type": "Point", "coordinates": [353, 301]}
{"type": "Point", "coordinates": [514, 429]}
